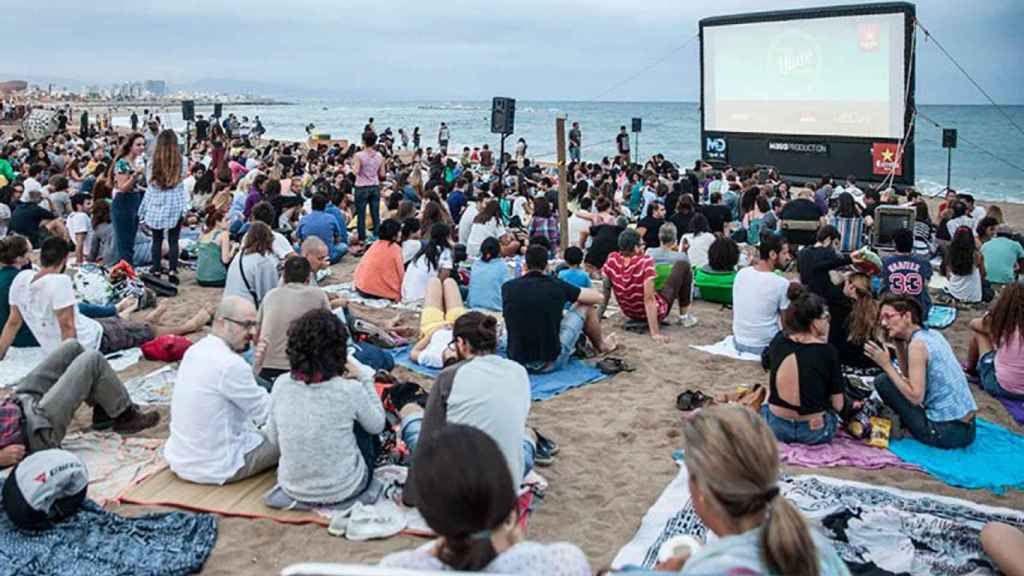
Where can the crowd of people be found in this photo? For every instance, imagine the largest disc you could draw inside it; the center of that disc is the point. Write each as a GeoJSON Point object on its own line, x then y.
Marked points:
{"type": "Point", "coordinates": [281, 379]}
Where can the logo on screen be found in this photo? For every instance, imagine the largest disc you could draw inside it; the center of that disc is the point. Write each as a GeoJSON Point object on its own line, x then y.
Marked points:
{"type": "Point", "coordinates": [868, 35]}
{"type": "Point", "coordinates": [796, 57]}
{"type": "Point", "coordinates": [714, 148]}
{"type": "Point", "coordinates": [885, 159]}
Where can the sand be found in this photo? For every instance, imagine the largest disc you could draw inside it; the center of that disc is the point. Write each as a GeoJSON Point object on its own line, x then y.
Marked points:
{"type": "Point", "coordinates": [616, 438]}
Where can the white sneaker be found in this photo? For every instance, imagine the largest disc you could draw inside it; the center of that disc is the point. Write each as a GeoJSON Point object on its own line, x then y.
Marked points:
{"type": "Point", "coordinates": [381, 520]}
{"type": "Point", "coordinates": [688, 320]}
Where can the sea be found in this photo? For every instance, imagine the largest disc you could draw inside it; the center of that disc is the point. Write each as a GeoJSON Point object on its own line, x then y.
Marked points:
{"type": "Point", "coordinates": [988, 162]}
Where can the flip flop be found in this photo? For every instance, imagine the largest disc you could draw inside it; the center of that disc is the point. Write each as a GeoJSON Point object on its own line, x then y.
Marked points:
{"type": "Point", "coordinates": [612, 365]}
{"type": "Point", "coordinates": [691, 400]}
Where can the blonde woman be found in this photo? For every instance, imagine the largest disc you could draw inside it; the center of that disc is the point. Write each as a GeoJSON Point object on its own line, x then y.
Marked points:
{"type": "Point", "coordinates": [165, 202]}
{"type": "Point", "coordinates": [733, 464]}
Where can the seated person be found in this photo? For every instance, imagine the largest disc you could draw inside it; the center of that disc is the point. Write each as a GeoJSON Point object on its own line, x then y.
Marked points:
{"type": "Point", "coordinates": [1003, 255]}
{"type": "Point", "coordinates": [214, 250]}
{"type": "Point", "coordinates": [716, 279]}
{"type": "Point", "coordinates": [325, 227]}
{"type": "Point", "coordinates": [604, 239]}
{"type": "Point", "coordinates": [487, 275]}
{"type": "Point", "coordinates": [759, 294]}
{"type": "Point", "coordinates": [442, 306]}
{"type": "Point", "coordinates": [733, 465]}
{"type": "Point", "coordinates": [253, 272]}
{"type": "Point", "coordinates": [801, 209]}
{"type": "Point", "coordinates": [36, 417]}
{"type": "Point", "coordinates": [380, 271]}
{"type": "Point", "coordinates": [697, 241]}
{"type": "Point", "coordinates": [964, 265]}
{"type": "Point", "coordinates": [217, 408]}
{"type": "Point", "coordinates": [805, 389]}
{"type": "Point", "coordinates": [411, 242]}
{"type": "Point", "coordinates": [854, 321]}
{"type": "Point", "coordinates": [281, 307]}
{"type": "Point", "coordinates": [34, 222]}
{"type": "Point", "coordinates": [818, 261]}
{"type": "Point", "coordinates": [14, 257]}
{"type": "Point", "coordinates": [434, 260]}
{"type": "Point", "coordinates": [540, 336]}
{"type": "Point", "coordinates": [906, 273]}
{"type": "Point", "coordinates": [572, 273]}
{"type": "Point", "coordinates": [997, 345]}
{"type": "Point", "coordinates": [45, 301]}
{"type": "Point", "coordinates": [667, 252]}
{"type": "Point", "coordinates": [459, 506]}
{"type": "Point", "coordinates": [322, 418]}
{"type": "Point", "coordinates": [930, 392]}
{"type": "Point", "coordinates": [631, 273]}
{"type": "Point", "coordinates": [849, 224]}
{"type": "Point", "coordinates": [649, 226]}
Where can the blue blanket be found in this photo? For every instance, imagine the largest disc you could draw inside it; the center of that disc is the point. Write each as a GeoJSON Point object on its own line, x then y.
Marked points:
{"type": "Point", "coordinates": [95, 541]}
{"type": "Point", "coordinates": [542, 386]}
{"type": "Point", "coordinates": [992, 461]}
{"type": "Point", "coordinates": [941, 317]}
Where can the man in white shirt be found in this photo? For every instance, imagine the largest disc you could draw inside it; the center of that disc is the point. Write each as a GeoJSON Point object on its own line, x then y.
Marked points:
{"type": "Point", "coordinates": [45, 301]}
{"type": "Point", "coordinates": [80, 225]}
{"type": "Point", "coordinates": [217, 408]}
{"type": "Point", "coordinates": [470, 213]}
{"type": "Point", "coordinates": [758, 295]}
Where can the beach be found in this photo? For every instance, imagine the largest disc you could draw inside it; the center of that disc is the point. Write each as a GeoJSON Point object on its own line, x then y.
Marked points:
{"type": "Point", "coordinates": [617, 436]}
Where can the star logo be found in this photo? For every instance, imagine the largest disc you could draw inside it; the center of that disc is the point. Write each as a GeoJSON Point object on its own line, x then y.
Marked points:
{"type": "Point", "coordinates": [887, 155]}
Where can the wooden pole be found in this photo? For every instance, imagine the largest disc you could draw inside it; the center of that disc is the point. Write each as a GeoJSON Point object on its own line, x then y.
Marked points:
{"type": "Point", "coordinates": [563, 184]}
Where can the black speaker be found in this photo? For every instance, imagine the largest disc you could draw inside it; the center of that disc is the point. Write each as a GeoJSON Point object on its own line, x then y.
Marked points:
{"type": "Point", "coordinates": [949, 137]}
{"type": "Point", "coordinates": [217, 109]}
{"type": "Point", "coordinates": [636, 124]}
{"type": "Point", "coordinates": [503, 115]}
{"type": "Point", "coordinates": [188, 110]}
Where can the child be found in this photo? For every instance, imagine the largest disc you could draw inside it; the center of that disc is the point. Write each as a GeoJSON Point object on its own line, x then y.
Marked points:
{"type": "Point", "coordinates": [79, 224]}
{"type": "Point", "coordinates": [573, 274]}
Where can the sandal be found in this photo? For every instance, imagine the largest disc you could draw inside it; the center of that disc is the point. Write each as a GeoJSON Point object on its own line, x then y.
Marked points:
{"type": "Point", "coordinates": [613, 365]}
{"type": "Point", "coordinates": [691, 400]}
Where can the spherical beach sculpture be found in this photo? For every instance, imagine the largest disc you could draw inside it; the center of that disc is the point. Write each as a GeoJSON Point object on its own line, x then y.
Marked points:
{"type": "Point", "coordinates": [40, 124]}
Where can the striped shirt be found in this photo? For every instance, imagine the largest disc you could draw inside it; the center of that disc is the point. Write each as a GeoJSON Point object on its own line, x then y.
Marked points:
{"type": "Point", "coordinates": [628, 274]}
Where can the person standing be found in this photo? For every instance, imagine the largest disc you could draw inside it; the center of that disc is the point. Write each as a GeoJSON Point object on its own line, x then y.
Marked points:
{"type": "Point", "coordinates": [575, 140]}
{"type": "Point", "coordinates": [368, 165]}
{"type": "Point", "coordinates": [622, 142]}
{"type": "Point", "coordinates": [165, 202]}
{"type": "Point", "coordinates": [202, 128]}
{"type": "Point", "coordinates": [135, 121]}
{"type": "Point", "coordinates": [128, 170]}
{"type": "Point", "coordinates": [443, 135]}
{"type": "Point", "coordinates": [416, 138]}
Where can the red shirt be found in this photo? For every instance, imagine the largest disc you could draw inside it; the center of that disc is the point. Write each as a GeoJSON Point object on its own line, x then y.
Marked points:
{"type": "Point", "coordinates": [628, 276]}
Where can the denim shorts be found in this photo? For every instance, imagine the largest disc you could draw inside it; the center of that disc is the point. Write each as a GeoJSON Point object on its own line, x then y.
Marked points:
{"type": "Point", "coordinates": [568, 333]}
{"type": "Point", "coordinates": [799, 431]}
{"type": "Point", "coordinates": [987, 372]}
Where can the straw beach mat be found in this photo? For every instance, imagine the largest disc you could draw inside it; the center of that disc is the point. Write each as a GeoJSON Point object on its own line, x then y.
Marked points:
{"type": "Point", "coordinates": [244, 499]}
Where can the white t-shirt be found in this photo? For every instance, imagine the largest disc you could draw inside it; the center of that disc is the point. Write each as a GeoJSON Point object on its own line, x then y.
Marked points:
{"type": "Point", "coordinates": [480, 232]}
{"type": "Point", "coordinates": [414, 283]}
{"type": "Point", "coordinates": [466, 221]}
{"type": "Point", "coordinates": [79, 222]}
{"type": "Point", "coordinates": [698, 248]}
{"type": "Point", "coordinates": [757, 298]}
{"type": "Point", "coordinates": [38, 301]}
{"type": "Point", "coordinates": [282, 247]}
{"type": "Point", "coordinates": [410, 248]}
{"type": "Point", "coordinates": [576, 226]}
{"type": "Point", "coordinates": [433, 355]}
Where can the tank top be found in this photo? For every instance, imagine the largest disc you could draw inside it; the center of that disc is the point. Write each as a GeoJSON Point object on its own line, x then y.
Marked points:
{"type": "Point", "coordinates": [946, 394]}
{"type": "Point", "coordinates": [369, 167]}
{"type": "Point", "coordinates": [209, 266]}
{"type": "Point", "coordinates": [966, 288]}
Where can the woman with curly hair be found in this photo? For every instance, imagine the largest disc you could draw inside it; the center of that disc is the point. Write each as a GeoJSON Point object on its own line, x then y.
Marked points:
{"type": "Point", "coordinates": [324, 415]}
{"type": "Point", "coordinates": [964, 265]}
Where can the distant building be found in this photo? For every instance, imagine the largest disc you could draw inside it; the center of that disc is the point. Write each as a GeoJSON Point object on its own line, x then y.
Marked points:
{"type": "Point", "coordinates": [156, 88]}
{"type": "Point", "coordinates": [12, 86]}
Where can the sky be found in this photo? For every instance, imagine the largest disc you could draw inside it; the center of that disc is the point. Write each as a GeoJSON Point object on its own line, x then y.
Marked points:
{"type": "Point", "coordinates": [455, 49]}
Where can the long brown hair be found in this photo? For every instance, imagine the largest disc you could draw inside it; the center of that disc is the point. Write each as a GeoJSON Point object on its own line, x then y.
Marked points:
{"type": "Point", "coordinates": [863, 319]}
{"type": "Point", "coordinates": [166, 161]}
{"type": "Point", "coordinates": [1007, 316]}
{"type": "Point", "coordinates": [733, 458]}
{"type": "Point", "coordinates": [122, 152]}
{"type": "Point", "coordinates": [259, 239]}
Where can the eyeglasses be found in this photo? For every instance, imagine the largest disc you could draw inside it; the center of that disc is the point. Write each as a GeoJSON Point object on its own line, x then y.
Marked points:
{"type": "Point", "coordinates": [247, 324]}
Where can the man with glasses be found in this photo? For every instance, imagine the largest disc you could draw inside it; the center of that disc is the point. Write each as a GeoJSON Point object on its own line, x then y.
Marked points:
{"type": "Point", "coordinates": [217, 407]}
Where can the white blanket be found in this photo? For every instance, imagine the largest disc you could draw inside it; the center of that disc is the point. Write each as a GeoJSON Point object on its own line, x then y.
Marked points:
{"type": "Point", "coordinates": [727, 348]}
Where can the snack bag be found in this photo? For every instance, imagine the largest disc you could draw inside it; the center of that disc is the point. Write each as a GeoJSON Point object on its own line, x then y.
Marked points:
{"type": "Point", "coordinates": [880, 429]}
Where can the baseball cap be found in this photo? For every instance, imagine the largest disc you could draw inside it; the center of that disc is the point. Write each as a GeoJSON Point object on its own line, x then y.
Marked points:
{"type": "Point", "coordinates": [46, 487]}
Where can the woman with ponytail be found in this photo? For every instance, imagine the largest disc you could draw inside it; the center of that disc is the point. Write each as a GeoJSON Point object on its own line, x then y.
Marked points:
{"type": "Point", "coordinates": [475, 513]}
{"type": "Point", "coordinates": [733, 465]}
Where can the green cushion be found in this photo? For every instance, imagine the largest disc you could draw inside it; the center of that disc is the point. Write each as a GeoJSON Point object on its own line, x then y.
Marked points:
{"type": "Point", "coordinates": [715, 286]}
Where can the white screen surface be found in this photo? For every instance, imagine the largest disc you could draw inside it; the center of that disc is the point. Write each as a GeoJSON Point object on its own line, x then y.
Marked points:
{"type": "Point", "coordinates": [831, 76]}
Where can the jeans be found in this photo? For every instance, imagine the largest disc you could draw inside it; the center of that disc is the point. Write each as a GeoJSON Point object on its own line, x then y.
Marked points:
{"type": "Point", "coordinates": [373, 356]}
{"type": "Point", "coordinates": [987, 372]}
{"type": "Point", "coordinates": [574, 153]}
{"type": "Point", "coordinates": [367, 195]}
{"type": "Point", "coordinates": [951, 434]}
{"type": "Point", "coordinates": [124, 214]}
{"type": "Point", "coordinates": [744, 349]}
{"type": "Point", "coordinates": [800, 431]}
{"type": "Point", "coordinates": [51, 393]}
{"type": "Point", "coordinates": [172, 248]}
{"type": "Point", "coordinates": [409, 431]}
{"type": "Point", "coordinates": [97, 310]}
{"type": "Point", "coordinates": [569, 332]}
{"type": "Point", "coordinates": [337, 251]}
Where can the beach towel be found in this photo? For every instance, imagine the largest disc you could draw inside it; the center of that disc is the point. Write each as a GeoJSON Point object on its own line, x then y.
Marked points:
{"type": "Point", "coordinates": [542, 386]}
{"type": "Point", "coordinates": [154, 388]}
{"type": "Point", "coordinates": [95, 541]}
{"type": "Point", "coordinates": [727, 348]}
{"type": "Point", "coordinates": [114, 462]}
{"type": "Point", "coordinates": [992, 461]}
{"type": "Point", "coordinates": [1015, 408]}
{"type": "Point", "coordinates": [843, 450]}
{"type": "Point", "coordinates": [347, 290]}
{"type": "Point", "coordinates": [940, 317]}
{"type": "Point", "coordinates": [20, 361]}
{"type": "Point", "coordinates": [871, 527]}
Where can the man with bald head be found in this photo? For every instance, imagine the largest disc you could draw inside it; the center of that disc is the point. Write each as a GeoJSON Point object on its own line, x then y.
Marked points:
{"type": "Point", "coordinates": [217, 408]}
{"type": "Point", "coordinates": [316, 253]}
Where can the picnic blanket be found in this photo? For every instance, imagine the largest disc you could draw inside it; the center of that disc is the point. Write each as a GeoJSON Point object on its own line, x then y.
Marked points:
{"type": "Point", "coordinates": [347, 290]}
{"type": "Point", "coordinates": [154, 388]}
{"type": "Point", "coordinates": [20, 361]}
{"type": "Point", "coordinates": [992, 461]}
{"type": "Point", "coordinates": [871, 527]}
{"type": "Point", "coordinates": [727, 348]}
{"type": "Point", "coordinates": [1015, 408]}
{"type": "Point", "coordinates": [95, 541]}
{"type": "Point", "coordinates": [114, 462]}
{"type": "Point", "coordinates": [843, 450]}
{"type": "Point", "coordinates": [542, 386]}
{"type": "Point", "coordinates": [941, 317]}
